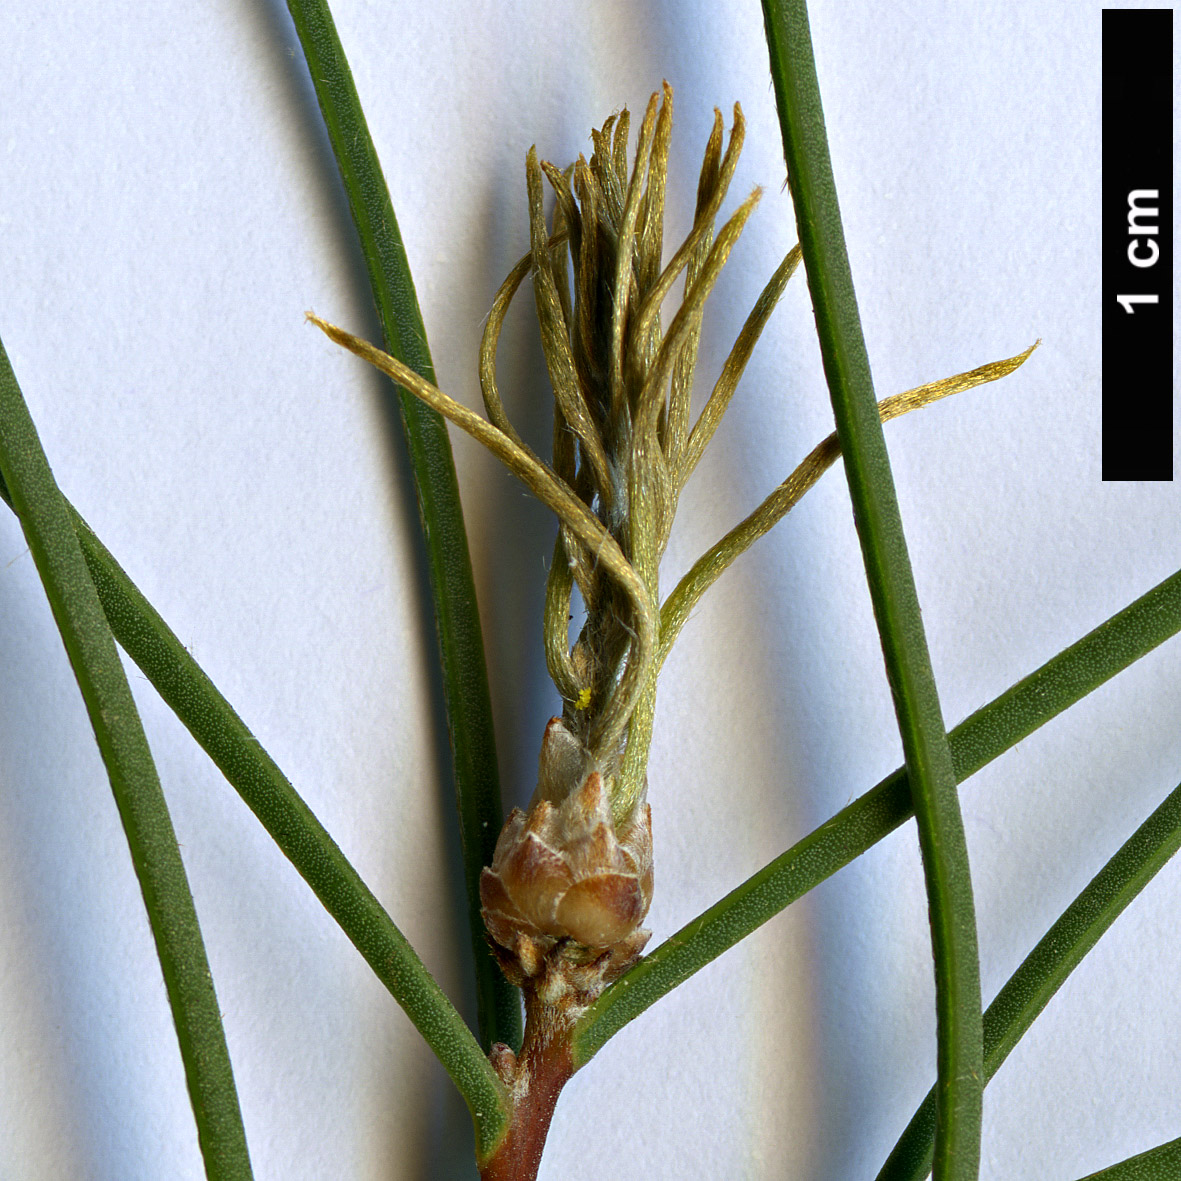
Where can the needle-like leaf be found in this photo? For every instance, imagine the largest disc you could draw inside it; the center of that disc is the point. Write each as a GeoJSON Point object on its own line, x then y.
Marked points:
{"type": "Point", "coordinates": [975, 742]}
{"type": "Point", "coordinates": [1162, 1163]}
{"type": "Point", "coordinates": [891, 588]}
{"type": "Point", "coordinates": [45, 519]}
{"type": "Point", "coordinates": [1045, 969]}
{"type": "Point", "coordinates": [718, 558]}
{"type": "Point", "coordinates": [461, 646]}
{"type": "Point", "coordinates": [268, 793]}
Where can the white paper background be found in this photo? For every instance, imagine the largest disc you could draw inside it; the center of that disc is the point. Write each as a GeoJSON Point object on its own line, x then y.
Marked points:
{"type": "Point", "coordinates": [169, 211]}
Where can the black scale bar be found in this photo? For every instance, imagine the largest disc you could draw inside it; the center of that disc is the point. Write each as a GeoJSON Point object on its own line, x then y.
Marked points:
{"type": "Point", "coordinates": [1137, 244]}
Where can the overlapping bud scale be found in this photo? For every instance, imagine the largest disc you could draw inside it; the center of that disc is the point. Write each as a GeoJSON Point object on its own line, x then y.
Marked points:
{"type": "Point", "coordinates": [563, 873]}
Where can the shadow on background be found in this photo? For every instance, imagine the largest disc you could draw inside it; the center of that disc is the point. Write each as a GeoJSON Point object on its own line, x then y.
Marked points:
{"type": "Point", "coordinates": [445, 1151]}
{"type": "Point", "coordinates": [511, 551]}
{"type": "Point", "coordinates": [51, 921]}
{"type": "Point", "coordinates": [698, 42]}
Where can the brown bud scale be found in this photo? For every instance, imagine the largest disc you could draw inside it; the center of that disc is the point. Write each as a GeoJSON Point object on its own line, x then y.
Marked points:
{"type": "Point", "coordinates": [565, 883]}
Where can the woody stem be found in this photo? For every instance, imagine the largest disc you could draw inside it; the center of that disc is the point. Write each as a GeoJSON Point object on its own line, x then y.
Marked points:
{"type": "Point", "coordinates": [535, 1079]}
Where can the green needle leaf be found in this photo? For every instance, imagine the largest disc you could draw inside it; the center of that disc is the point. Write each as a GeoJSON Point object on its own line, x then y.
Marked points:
{"type": "Point", "coordinates": [1162, 1163]}
{"type": "Point", "coordinates": [223, 735]}
{"type": "Point", "coordinates": [461, 646]}
{"type": "Point", "coordinates": [1046, 968]}
{"type": "Point", "coordinates": [975, 742]}
{"type": "Point", "coordinates": [892, 590]}
{"type": "Point", "coordinates": [143, 811]}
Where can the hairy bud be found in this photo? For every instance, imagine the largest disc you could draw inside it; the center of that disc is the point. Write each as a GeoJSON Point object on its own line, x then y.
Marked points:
{"type": "Point", "coordinates": [565, 878]}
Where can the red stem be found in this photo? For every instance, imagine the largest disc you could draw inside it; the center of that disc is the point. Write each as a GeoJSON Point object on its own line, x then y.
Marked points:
{"type": "Point", "coordinates": [536, 1079]}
